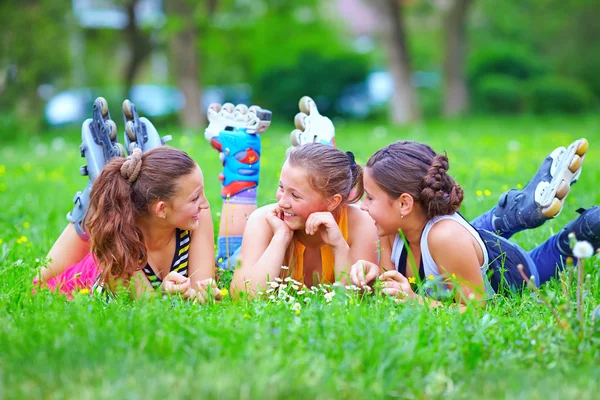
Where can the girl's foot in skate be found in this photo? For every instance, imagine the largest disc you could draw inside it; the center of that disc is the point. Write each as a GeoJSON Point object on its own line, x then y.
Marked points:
{"type": "Point", "coordinates": [585, 227]}
{"type": "Point", "coordinates": [543, 197]}
{"type": "Point", "coordinates": [140, 132]}
{"type": "Point", "coordinates": [99, 145]}
{"type": "Point", "coordinates": [234, 133]}
{"type": "Point", "coordinates": [311, 126]}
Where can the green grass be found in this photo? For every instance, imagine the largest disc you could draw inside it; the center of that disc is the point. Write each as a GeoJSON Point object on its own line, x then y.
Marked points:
{"type": "Point", "coordinates": [348, 348]}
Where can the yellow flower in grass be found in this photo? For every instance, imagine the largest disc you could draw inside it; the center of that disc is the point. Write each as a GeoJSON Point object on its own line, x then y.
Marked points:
{"type": "Point", "coordinates": [519, 186]}
{"type": "Point", "coordinates": [1, 240]}
{"type": "Point", "coordinates": [247, 316]}
{"type": "Point", "coordinates": [487, 192]}
{"type": "Point", "coordinates": [224, 292]}
{"type": "Point", "coordinates": [26, 225]}
{"type": "Point", "coordinates": [22, 239]}
{"type": "Point", "coordinates": [412, 280]}
{"type": "Point", "coordinates": [430, 277]}
{"type": "Point", "coordinates": [2, 169]}
{"type": "Point", "coordinates": [84, 291]}
{"type": "Point", "coordinates": [479, 193]}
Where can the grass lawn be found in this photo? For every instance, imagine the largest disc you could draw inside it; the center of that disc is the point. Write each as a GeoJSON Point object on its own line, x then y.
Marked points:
{"type": "Point", "coordinates": [350, 347]}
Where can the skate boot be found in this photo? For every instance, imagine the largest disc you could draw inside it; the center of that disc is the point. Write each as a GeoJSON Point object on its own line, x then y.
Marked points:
{"type": "Point", "coordinates": [234, 133]}
{"type": "Point", "coordinates": [311, 127]}
{"type": "Point", "coordinates": [585, 227]}
{"type": "Point", "coordinates": [139, 132]}
{"type": "Point", "coordinates": [99, 145]}
{"type": "Point", "coordinates": [543, 197]}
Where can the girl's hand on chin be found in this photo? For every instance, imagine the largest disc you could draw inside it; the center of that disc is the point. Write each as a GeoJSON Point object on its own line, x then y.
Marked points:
{"type": "Point", "coordinates": [277, 224]}
{"type": "Point", "coordinates": [325, 224]}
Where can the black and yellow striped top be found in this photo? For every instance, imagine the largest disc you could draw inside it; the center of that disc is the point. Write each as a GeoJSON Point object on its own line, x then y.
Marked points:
{"type": "Point", "coordinates": [180, 259]}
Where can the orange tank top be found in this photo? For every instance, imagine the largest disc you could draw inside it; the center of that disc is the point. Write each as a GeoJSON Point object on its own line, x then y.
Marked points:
{"type": "Point", "coordinates": [327, 258]}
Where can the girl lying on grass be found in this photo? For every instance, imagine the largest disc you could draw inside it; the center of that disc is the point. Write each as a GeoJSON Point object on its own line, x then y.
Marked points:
{"type": "Point", "coordinates": [409, 193]}
{"type": "Point", "coordinates": [149, 224]}
{"type": "Point", "coordinates": [314, 229]}
{"type": "Point", "coordinates": [314, 232]}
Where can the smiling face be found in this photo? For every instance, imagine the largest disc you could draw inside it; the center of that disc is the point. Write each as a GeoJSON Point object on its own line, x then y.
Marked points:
{"type": "Point", "coordinates": [296, 197]}
{"type": "Point", "coordinates": [380, 206]}
{"type": "Point", "coordinates": [183, 210]}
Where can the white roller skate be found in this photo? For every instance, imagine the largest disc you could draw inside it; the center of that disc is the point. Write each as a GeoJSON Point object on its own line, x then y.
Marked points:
{"type": "Point", "coordinates": [139, 131]}
{"type": "Point", "coordinates": [311, 126]}
{"type": "Point", "coordinates": [253, 119]}
{"type": "Point", "coordinates": [99, 145]}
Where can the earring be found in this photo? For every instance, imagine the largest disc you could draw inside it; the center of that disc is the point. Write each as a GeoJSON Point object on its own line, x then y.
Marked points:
{"type": "Point", "coordinates": [401, 216]}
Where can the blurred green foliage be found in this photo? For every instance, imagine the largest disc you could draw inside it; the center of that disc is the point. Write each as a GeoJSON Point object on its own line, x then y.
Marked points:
{"type": "Point", "coordinates": [284, 50]}
{"type": "Point", "coordinates": [495, 93]}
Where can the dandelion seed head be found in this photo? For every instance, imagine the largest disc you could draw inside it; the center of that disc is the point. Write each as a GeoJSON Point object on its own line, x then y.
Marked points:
{"type": "Point", "coordinates": [583, 249]}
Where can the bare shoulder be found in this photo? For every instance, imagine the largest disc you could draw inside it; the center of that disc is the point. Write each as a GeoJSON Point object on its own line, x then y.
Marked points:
{"type": "Point", "coordinates": [447, 233]}
{"type": "Point", "coordinates": [360, 224]}
{"type": "Point", "coordinates": [356, 215]}
{"type": "Point", "coordinates": [259, 213]}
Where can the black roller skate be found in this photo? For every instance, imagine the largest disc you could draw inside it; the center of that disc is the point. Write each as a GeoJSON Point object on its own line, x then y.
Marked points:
{"type": "Point", "coordinates": [543, 197]}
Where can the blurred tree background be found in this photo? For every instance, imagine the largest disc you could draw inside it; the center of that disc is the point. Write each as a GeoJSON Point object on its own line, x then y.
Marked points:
{"type": "Point", "coordinates": [401, 60]}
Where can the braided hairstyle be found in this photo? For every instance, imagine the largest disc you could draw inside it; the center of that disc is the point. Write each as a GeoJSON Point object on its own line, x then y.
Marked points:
{"type": "Point", "coordinates": [414, 168]}
{"type": "Point", "coordinates": [122, 195]}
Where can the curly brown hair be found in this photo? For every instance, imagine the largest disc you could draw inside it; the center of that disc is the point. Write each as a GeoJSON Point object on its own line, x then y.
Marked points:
{"type": "Point", "coordinates": [118, 202]}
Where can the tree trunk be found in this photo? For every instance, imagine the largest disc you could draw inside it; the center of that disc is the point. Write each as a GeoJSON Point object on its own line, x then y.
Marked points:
{"type": "Point", "coordinates": [186, 61]}
{"type": "Point", "coordinates": [404, 107]}
{"type": "Point", "coordinates": [456, 95]}
{"type": "Point", "coordinates": [140, 46]}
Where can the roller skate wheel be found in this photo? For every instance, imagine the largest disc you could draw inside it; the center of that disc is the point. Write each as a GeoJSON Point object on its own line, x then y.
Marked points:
{"type": "Point", "coordinates": [113, 129]}
{"type": "Point", "coordinates": [583, 147]}
{"type": "Point", "coordinates": [222, 157]}
{"type": "Point", "coordinates": [304, 104]}
{"type": "Point", "coordinates": [215, 107]}
{"type": "Point", "coordinates": [103, 104]}
{"type": "Point", "coordinates": [230, 108]}
{"type": "Point", "coordinates": [552, 210]}
{"type": "Point", "coordinates": [129, 131]}
{"type": "Point", "coordinates": [242, 109]}
{"type": "Point", "coordinates": [563, 190]}
{"type": "Point", "coordinates": [120, 149]}
{"type": "Point", "coordinates": [294, 137]}
{"type": "Point", "coordinates": [575, 163]}
{"type": "Point", "coordinates": [300, 121]}
{"type": "Point", "coordinates": [254, 109]}
{"type": "Point", "coordinates": [83, 170]}
{"type": "Point", "coordinates": [128, 109]}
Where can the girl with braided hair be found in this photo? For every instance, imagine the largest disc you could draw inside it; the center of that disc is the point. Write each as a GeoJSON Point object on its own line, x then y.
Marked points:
{"type": "Point", "coordinates": [414, 203]}
{"type": "Point", "coordinates": [149, 226]}
{"type": "Point", "coordinates": [314, 233]}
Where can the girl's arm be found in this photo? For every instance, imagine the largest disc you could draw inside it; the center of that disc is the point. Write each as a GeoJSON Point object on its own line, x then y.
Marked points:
{"type": "Point", "coordinates": [264, 244]}
{"type": "Point", "coordinates": [455, 255]}
{"type": "Point", "coordinates": [362, 243]}
{"type": "Point", "coordinates": [201, 255]}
